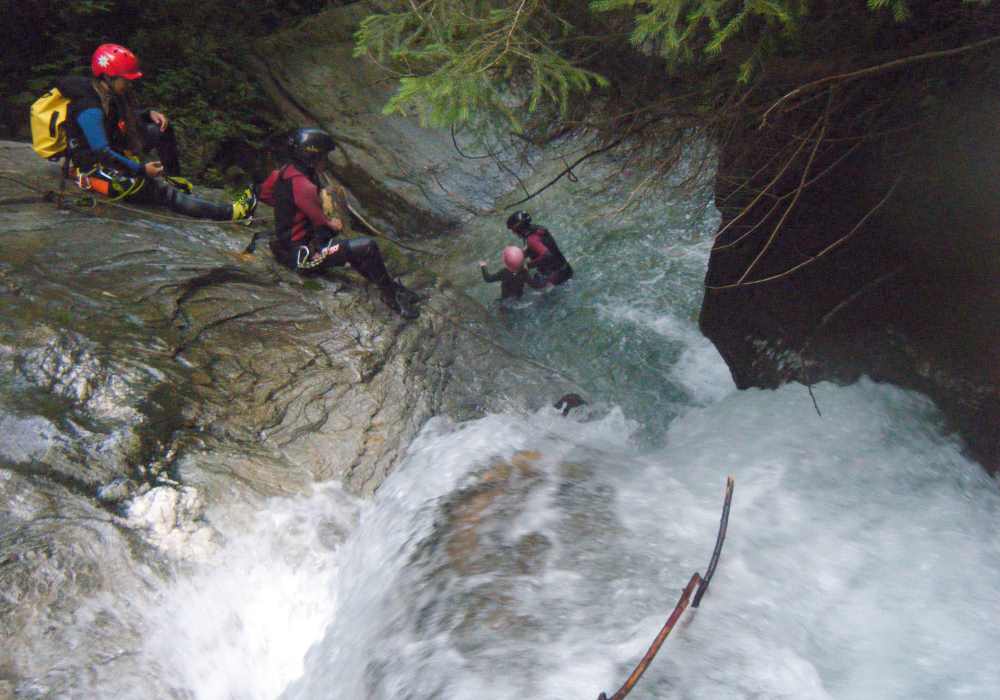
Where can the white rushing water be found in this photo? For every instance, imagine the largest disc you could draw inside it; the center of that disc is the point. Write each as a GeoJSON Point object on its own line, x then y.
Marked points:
{"type": "Point", "coordinates": [861, 562]}
{"type": "Point", "coordinates": [537, 556]}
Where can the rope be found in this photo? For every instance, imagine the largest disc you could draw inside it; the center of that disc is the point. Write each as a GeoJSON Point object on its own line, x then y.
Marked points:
{"type": "Point", "coordinates": [11, 201]}
{"type": "Point", "coordinates": [311, 264]}
{"type": "Point", "coordinates": [372, 229]}
{"type": "Point", "coordinates": [379, 234]}
{"type": "Point", "coordinates": [137, 184]}
{"type": "Point", "coordinates": [95, 201]}
{"type": "Point", "coordinates": [6, 175]}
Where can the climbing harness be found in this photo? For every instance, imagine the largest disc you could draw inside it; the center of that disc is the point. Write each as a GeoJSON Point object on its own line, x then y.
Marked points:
{"type": "Point", "coordinates": [306, 260]}
{"type": "Point", "coordinates": [696, 581]}
{"type": "Point", "coordinates": [104, 183]}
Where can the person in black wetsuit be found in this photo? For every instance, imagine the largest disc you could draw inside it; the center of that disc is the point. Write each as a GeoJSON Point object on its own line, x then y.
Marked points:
{"type": "Point", "coordinates": [103, 124]}
{"type": "Point", "coordinates": [544, 256]}
{"type": "Point", "coordinates": [305, 239]}
{"type": "Point", "coordinates": [513, 276]}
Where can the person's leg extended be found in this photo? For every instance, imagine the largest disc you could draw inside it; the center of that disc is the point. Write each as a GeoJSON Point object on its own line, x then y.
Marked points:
{"type": "Point", "coordinates": [364, 255]}
{"type": "Point", "coordinates": [159, 191]}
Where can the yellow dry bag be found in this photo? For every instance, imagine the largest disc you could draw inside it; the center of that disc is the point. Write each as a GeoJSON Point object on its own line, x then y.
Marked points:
{"type": "Point", "coordinates": [48, 113]}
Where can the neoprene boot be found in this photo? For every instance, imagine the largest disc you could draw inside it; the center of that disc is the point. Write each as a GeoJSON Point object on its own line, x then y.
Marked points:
{"type": "Point", "coordinates": [245, 205]}
{"type": "Point", "coordinates": [400, 299]}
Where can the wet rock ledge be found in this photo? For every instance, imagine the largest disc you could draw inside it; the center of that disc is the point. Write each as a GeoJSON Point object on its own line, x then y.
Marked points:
{"type": "Point", "coordinates": [148, 372]}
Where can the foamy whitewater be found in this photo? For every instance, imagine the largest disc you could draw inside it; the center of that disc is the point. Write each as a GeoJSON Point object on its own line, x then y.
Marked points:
{"type": "Point", "coordinates": [861, 562]}
{"type": "Point", "coordinates": [537, 556]}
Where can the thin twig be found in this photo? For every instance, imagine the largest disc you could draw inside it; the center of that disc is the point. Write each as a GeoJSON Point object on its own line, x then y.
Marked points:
{"type": "Point", "coordinates": [769, 185]}
{"type": "Point", "coordinates": [458, 149]}
{"type": "Point", "coordinates": [582, 158]}
{"type": "Point", "coordinates": [795, 199]}
{"type": "Point", "coordinates": [840, 241]}
{"type": "Point", "coordinates": [785, 196]}
{"type": "Point", "coordinates": [872, 70]}
{"type": "Point", "coordinates": [560, 176]}
{"type": "Point", "coordinates": [806, 346]}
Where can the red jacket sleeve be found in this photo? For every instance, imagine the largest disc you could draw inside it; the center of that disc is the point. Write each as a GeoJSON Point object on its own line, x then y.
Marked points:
{"type": "Point", "coordinates": [306, 196]}
{"type": "Point", "coordinates": [536, 249]}
{"type": "Point", "coordinates": [266, 193]}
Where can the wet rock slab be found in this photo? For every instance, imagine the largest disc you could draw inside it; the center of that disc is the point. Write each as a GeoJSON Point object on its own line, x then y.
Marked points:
{"type": "Point", "coordinates": [149, 373]}
{"type": "Point", "coordinates": [409, 180]}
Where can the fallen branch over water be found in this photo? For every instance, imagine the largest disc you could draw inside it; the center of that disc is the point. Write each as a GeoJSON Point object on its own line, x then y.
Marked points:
{"type": "Point", "coordinates": [719, 539]}
{"type": "Point", "coordinates": [657, 643]}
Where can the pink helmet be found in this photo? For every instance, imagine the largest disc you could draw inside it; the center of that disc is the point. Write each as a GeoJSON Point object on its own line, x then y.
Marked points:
{"type": "Point", "coordinates": [114, 60]}
{"type": "Point", "coordinates": [513, 258]}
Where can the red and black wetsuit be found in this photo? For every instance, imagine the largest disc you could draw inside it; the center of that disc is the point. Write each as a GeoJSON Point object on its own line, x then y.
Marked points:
{"type": "Point", "coordinates": [298, 213]}
{"type": "Point", "coordinates": [301, 227]}
{"type": "Point", "coordinates": [545, 257]}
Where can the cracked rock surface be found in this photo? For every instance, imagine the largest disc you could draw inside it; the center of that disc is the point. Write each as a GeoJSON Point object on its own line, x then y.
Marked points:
{"type": "Point", "coordinates": [149, 373]}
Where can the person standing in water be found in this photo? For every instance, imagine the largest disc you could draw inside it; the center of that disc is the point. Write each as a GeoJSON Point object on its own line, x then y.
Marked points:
{"type": "Point", "coordinates": [513, 276]}
{"type": "Point", "coordinates": [544, 256]}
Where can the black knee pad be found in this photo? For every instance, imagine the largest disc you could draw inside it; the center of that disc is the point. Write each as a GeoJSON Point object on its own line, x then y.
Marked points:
{"type": "Point", "coordinates": [363, 247]}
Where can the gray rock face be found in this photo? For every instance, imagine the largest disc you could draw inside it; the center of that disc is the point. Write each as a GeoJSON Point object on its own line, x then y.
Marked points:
{"type": "Point", "coordinates": [409, 180]}
{"type": "Point", "coordinates": [148, 372]}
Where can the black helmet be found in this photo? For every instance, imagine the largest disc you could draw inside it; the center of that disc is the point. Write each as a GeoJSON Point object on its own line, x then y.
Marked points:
{"type": "Point", "coordinates": [518, 219]}
{"type": "Point", "coordinates": [310, 145]}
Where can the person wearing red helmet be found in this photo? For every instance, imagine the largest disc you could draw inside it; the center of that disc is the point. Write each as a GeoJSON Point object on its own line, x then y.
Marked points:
{"type": "Point", "coordinates": [513, 276]}
{"type": "Point", "coordinates": [104, 125]}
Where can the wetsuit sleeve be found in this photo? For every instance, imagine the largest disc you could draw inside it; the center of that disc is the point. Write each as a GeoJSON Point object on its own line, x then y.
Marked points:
{"type": "Point", "coordinates": [537, 251]}
{"type": "Point", "coordinates": [91, 122]}
{"type": "Point", "coordinates": [487, 277]}
{"type": "Point", "coordinates": [307, 201]}
{"type": "Point", "coordinates": [266, 193]}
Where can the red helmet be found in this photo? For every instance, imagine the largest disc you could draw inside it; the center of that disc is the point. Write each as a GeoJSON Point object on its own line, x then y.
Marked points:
{"type": "Point", "coordinates": [114, 61]}
{"type": "Point", "coordinates": [513, 258]}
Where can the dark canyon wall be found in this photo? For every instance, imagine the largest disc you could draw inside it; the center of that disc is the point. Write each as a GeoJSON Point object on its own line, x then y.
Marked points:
{"type": "Point", "coordinates": [887, 265]}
